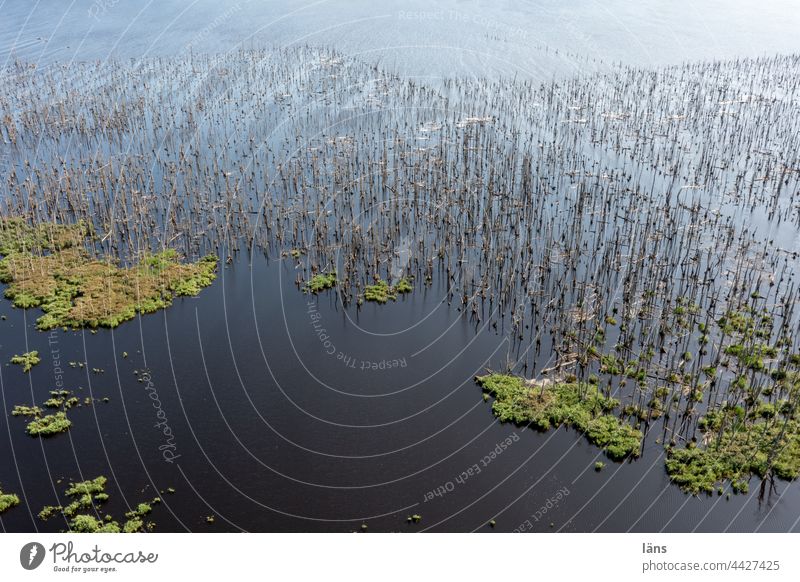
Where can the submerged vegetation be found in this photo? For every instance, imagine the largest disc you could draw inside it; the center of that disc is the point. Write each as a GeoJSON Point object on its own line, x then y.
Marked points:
{"type": "Point", "coordinates": [553, 404]}
{"type": "Point", "coordinates": [47, 266]}
{"type": "Point", "coordinates": [83, 510]}
{"type": "Point", "coordinates": [755, 431]}
{"type": "Point", "coordinates": [653, 259]}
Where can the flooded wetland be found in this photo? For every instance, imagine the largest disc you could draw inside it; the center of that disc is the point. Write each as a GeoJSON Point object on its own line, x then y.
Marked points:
{"type": "Point", "coordinates": [261, 277]}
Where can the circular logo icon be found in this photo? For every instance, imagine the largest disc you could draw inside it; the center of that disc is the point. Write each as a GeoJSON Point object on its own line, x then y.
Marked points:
{"type": "Point", "coordinates": [31, 555]}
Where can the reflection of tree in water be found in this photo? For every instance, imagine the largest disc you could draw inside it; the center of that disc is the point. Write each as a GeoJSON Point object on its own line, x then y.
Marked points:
{"type": "Point", "coordinates": [605, 224]}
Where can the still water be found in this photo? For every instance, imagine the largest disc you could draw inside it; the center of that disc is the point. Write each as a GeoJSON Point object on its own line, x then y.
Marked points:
{"type": "Point", "coordinates": [276, 411]}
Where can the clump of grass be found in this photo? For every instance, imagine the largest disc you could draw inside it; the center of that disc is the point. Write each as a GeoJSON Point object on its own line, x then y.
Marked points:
{"type": "Point", "coordinates": [75, 290]}
{"type": "Point", "coordinates": [548, 405]}
{"type": "Point", "coordinates": [380, 292]}
{"type": "Point", "coordinates": [61, 398]}
{"type": "Point", "coordinates": [23, 410]}
{"type": "Point", "coordinates": [618, 439]}
{"type": "Point", "coordinates": [49, 425]}
{"type": "Point", "coordinates": [321, 282]}
{"type": "Point", "coordinates": [86, 496]}
{"type": "Point", "coordinates": [403, 286]}
{"type": "Point", "coordinates": [27, 360]}
{"type": "Point", "coordinates": [85, 523]}
{"type": "Point", "coordinates": [7, 501]}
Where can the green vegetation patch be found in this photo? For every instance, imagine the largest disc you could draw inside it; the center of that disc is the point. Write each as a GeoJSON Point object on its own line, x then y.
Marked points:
{"type": "Point", "coordinates": [737, 447]}
{"type": "Point", "coordinates": [752, 356]}
{"type": "Point", "coordinates": [746, 322]}
{"type": "Point", "coordinates": [27, 360]}
{"type": "Point", "coordinates": [17, 236]}
{"type": "Point", "coordinates": [83, 507]}
{"type": "Point", "coordinates": [23, 410]}
{"type": "Point", "coordinates": [546, 405]}
{"type": "Point", "coordinates": [49, 268]}
{"type": "Point", "coordinates": [610, 364]}
{"type": "Point", "coordinates": [49, 424]}
{"type": "Point", "coordinates": [7, 501]}
{"type": "Point", "coordinates": [321, 282]}
{"type": "Point", "coordinates": [403, 286]}
{"type": "Point", "coordinates": [45, 425]}
{"type": "Point", "coordinates": [381, 291]}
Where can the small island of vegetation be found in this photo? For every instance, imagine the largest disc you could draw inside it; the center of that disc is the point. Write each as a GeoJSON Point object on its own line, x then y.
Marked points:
{"type": "Point", "coordinates": [83, 507]}
{"type": "Point", "coordinates": [47, 266]}
{"type": "Point", "coordinates": [547, 404]}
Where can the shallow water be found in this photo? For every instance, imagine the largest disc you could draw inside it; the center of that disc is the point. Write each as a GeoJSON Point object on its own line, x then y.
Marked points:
{"type": "Point", "coordinates": [279, 429]}
{"type": "Point", "coordinates": [467, 38]}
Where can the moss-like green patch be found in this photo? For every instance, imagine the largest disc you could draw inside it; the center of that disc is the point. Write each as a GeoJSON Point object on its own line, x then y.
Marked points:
{"type": "Point", "coordinates": [17, 236]}
{"type": "Point", "coordinates": [752, 356]}
{"type": "Point", "coordinates": [85, 499]}
{"type": "Point", "coordinates": [403, 286]}
{"type": "Point", "coordinates": [737, 447]}
{"type": "Point", "coordinates": [7, 501]}
{"type": "Point", "coordinates": [27, 360]}
{"type": "Point", "coordinates": [61, 399]}
{"type": "Point", "coordinates": [746, 322]}
{"type": "Point", "coordinates": [610, 364]}
{"type": "Point", "coordinates": [23, 410]}
{"type": "Point", "coordinates": [381, 291]}
{"type": "Point", "coordinates": [321, 282]}
{"type": "Point", "coordinates": [50, 268]}
{"type": "Point", "coordinates": [563, 403]}
{"type": "Point", "coordinates": [49, 424]}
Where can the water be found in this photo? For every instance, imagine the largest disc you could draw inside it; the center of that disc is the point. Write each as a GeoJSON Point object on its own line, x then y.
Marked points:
{"type": "Point", "coordinates": [467, 38]}
{"type": "Point", "coordinates": [264, 445]}
{"type": "Point", "coordinates": [278, 429]}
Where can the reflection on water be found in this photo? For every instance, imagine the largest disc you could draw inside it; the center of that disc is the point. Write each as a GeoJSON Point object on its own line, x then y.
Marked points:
{"type": "Point", "coordinates": [526, 212]}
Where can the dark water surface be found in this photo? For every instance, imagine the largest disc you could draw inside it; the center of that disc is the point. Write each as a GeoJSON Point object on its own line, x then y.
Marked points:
{"type": "Point", "coordinates": [273, 433]}
{"type": "Point", "coordinates": [289, 412]}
